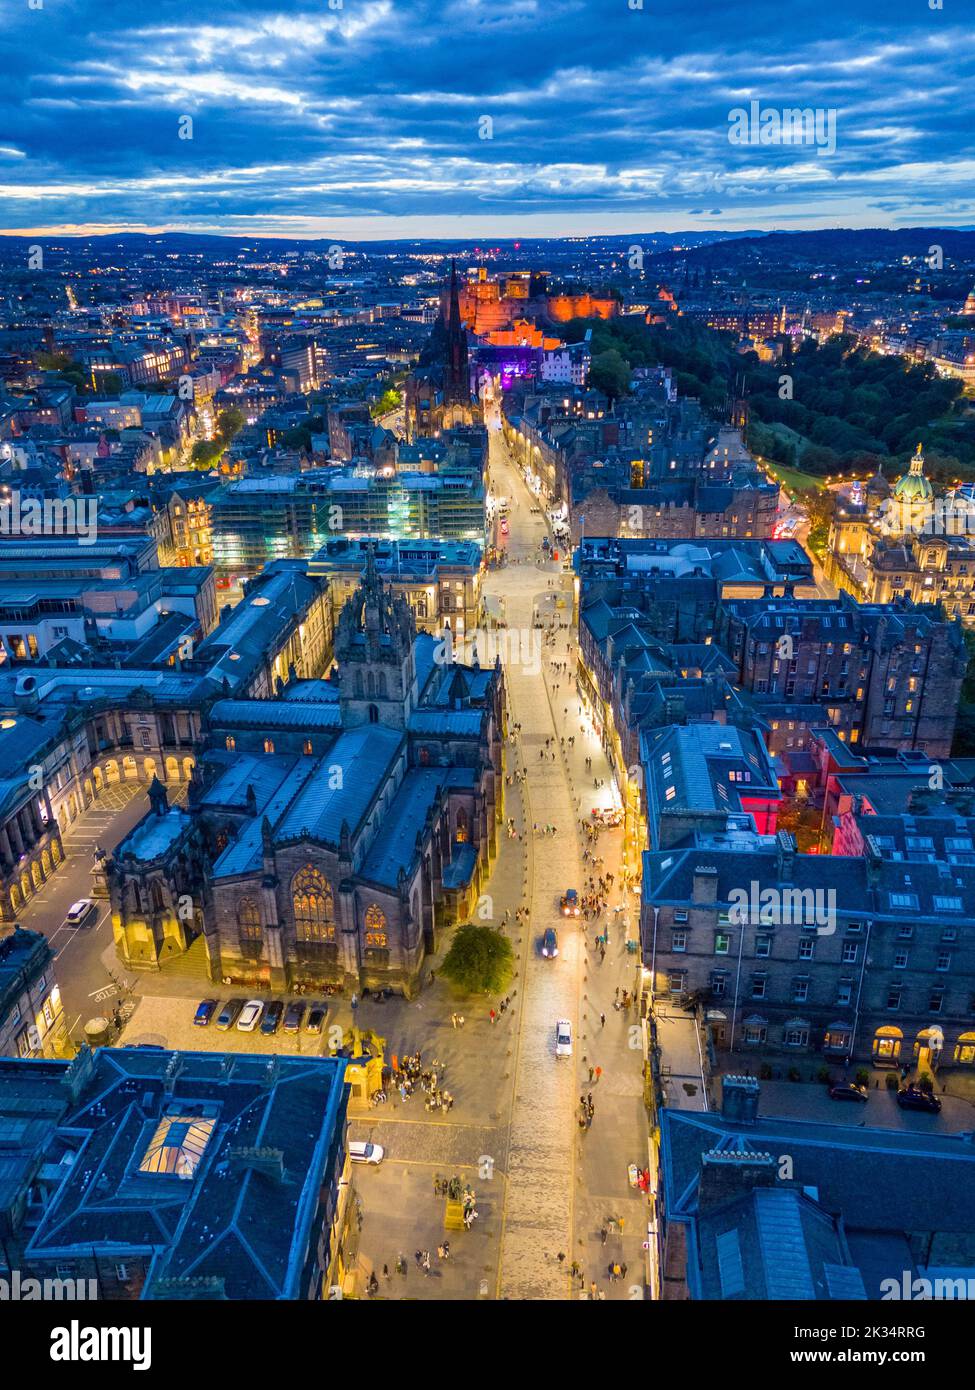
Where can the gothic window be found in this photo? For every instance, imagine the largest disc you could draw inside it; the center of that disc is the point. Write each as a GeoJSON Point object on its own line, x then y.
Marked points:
{"type": "Point", "coordinates": [156, 896]}
{"type": "Point", "coordinates": [373, 714]}
{"type": "Point", "coordinates": [382, 685]}
{"type": "Point", "coordinates": [424, 756]}
{"type": "Point", "coordinates": [313, 906]}
{"type": "Point", "coordinates": [269, 745]}
{"type": "Point", "coordinates": [248, 920]}
{"type": "Point", "coordinates": [231, 743]}
{"type": "Point", "coordinates": [371, 683]}
{"type": "Point", "coordinates": [463, 829]}
{"type": "Point", "coordinates": [358, 685]}
{"type": "Point", "coordinates": [376, 927]}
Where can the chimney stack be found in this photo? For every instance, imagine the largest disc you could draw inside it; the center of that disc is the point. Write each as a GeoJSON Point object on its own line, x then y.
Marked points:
{"type": "Point", "coordinates": [727, 1175]}
{"type": "Point", "coordinates": [739, 1099]}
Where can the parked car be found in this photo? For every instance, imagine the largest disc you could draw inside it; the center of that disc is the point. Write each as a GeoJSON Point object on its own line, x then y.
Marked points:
{"type": "Point", "coordinates": [250, 1016]}
{"type": "Point", "coordinates": [569, 903]}
{"type": "Point", "coordinates": [273, 1014]}
{"type": "Point", "coordinates": [228, 1015]}
{"type": "Point", "coordinates": [913, 1098]}
{"type": "Point", "coordinates": [563, 1038]}
{"type": "Point", "coordinates": [361, 1152]}
{"type": "Point", "coordinates": [550, 943]}
{"type": "Point", "coordinates": [294, 1014]}
{"type": "Point", "coordinates": [317, 1015]}
{"type": "Point", "coordinates": [845, 1090]}
{"type": "Point", "coordinates": [204, 1012]}
{"type": "Point", "coordinates": [79, 914]}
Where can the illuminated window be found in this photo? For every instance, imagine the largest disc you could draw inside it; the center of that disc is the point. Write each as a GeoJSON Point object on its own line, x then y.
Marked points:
{"type": "Point", "coordinates": [231, 743]}
{"type": "Point", "coordinates": [313, 906]}
{"type": "Point", "coordinates": [269, 745]}
{"type": "Point", "coordinates": [376, 927]}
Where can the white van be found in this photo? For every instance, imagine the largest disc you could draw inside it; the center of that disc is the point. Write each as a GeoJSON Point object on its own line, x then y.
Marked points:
{"type": "Point", "coordinates": [563, 1038]}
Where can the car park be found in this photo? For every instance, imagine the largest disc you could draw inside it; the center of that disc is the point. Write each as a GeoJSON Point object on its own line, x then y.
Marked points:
{"type": "Point", "coordinates": [250, 1016]}
{"type": "Point", "coordinates": [271, 1020]}
{"type": "Point", "coordinates": [317, 1015]}
{"type": "Point", "coordinates": [913, 1098]}
{"type": "Point", "coordinates": [845, 1090]}
{"type": "Point", "coordinates": [550, 943]}
{"type": "Point", "coordinates": [204, 1012]}
{"type": "Point", "coordinates": [563, 1038]}
{"type": "Point", "coordinates": [228, 1015]}
{"type": "Point", "coordinates": [361, 1152]}
{"type": "Point", "coordinates": [293, 1017]}
{"type": "Point", "coordinates": [79, 914]}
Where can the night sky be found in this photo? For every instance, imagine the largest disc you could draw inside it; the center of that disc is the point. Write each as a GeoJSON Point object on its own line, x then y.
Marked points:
{"type": "Point", "coordinates": [366, 120]}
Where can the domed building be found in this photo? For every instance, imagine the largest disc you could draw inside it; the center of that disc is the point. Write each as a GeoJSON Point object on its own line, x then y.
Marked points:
{"type": "Point", "coordinates": [907, 544]}
{"type": "Point", "coordinates": [877, 489]}
{"type": "Point", "coordinates": [911, 504]}
{"type": "Point", "coordinates": [969, 307]}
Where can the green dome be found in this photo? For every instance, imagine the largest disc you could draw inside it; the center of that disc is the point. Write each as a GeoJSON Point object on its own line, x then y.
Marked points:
{"type": "Point", "coordinates": [914, 486]}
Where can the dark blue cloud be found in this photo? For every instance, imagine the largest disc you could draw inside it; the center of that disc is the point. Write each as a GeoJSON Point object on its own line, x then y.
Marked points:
{"type": "Point", "coordinates": [502, 114]}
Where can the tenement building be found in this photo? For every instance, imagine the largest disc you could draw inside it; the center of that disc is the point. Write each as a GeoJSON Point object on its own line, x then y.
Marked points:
{"type": "Point", "coordinates": [332, 834]}
{"type": "Point", "coordinates": [887, 675]}
{"type": "Point", "coordinates": [867, 958]}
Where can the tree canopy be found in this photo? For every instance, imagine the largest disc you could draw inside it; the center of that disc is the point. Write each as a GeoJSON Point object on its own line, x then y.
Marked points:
{"type": "Point", "coordinates": [480, 960]}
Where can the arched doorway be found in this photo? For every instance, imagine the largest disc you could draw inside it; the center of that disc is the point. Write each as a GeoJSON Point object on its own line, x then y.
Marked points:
{"type": "Point", "coordinates": [56, 854]}
{"type": "Point", "coordinates": [965, 1050]}
{"type": "Point", "coordinates": [927, 1048]}
{"type": "Point", "coordinates": [25, 885]}
{"type": "Point", "coordinates": [112, 773]}
{"type": "Point", "coordinates": [36, 875]}
{"type": "Point", "coordinates": [188, 766]}
{"type": "Point", "coordinates": [15, 898]}
{"type": "Point", "coordinates": [89, 791]}
{"type": "Point", "coordinates": [172, 769]}
{"type": "Point", "coordinates": [96, 773]}
{"type": "Point", "coordinates": [129, 769]}
{"type": "Point", "coordinates": [887, 1044]}
{"type": "Point", "coordinates": [149, 768]}
{"type": "Point", "coordinates": [45, 862]}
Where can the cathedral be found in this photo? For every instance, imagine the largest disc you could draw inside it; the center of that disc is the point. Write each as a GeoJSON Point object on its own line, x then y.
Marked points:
{"type": "Point", "coordinates": [438, 393]}
{"type": "Point", "coordinates": [333, 833]}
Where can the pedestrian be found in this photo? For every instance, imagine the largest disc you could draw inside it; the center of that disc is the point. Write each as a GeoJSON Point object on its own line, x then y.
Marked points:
{"type": "Point", "coordinates": [599, 1072]}
{"type": "Point", "coordinates": [385, 1271]}
{"type": "Point", "coordinates": [493, 1016]}
{"type": "Point", "coordinates": [591, 1074]}
{"type": "Point", "coordinates": [603, 1234]}
{"type": "Point", "coordinates": [561, 1257]}
{"type": "Point", "coordinates": [602, 1020]}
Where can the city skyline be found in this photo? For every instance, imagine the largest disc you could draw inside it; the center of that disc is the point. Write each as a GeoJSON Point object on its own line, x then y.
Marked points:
{"type": "Point", "coordinates": [360, 121]}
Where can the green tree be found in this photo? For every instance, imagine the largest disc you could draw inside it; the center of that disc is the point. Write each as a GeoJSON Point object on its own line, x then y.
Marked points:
{"type": "Point", "coordinates": [610, 372]}
{"type": "Point", "coordinates": [480, 960]}
{"type": "Point", "coordinates": [230, 422]}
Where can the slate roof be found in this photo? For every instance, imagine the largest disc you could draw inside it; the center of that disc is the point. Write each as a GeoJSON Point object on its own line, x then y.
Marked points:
{"type": "Point", "coordinates": [364, 756]}
{"type": "Point", "coordinates": [395, 844]}
{"type": "Point", "coordinates": [225, 1222]}
{"type": "Point", "coordinates": [882, 1180]}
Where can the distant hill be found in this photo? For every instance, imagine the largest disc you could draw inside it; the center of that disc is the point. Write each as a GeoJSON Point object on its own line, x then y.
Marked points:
{"type": "Point", "coordinates": [834, 246]}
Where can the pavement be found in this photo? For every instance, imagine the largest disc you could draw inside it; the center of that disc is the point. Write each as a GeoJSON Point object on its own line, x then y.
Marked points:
{"type": "Point", "coordinates": [85, 956]}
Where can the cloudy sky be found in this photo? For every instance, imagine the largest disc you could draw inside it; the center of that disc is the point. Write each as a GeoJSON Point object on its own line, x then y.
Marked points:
{"type": "Point", "coordinates": [370, 119]}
